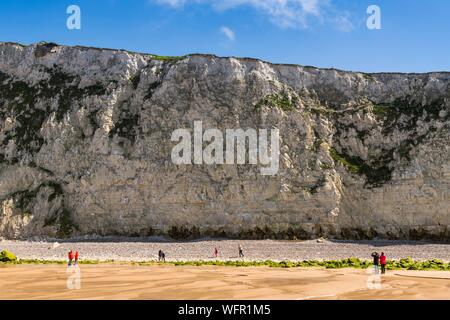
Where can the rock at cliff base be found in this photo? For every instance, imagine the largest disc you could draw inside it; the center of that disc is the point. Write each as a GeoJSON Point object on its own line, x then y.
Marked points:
{"type": "Point", "coordinates": [6, 256]}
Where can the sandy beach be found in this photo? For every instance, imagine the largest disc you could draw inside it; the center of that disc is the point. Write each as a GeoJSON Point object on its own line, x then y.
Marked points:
{"type": "Point", "coordinates": [146, 250]}
{"type": "Point", "coordinates": [123, 281]}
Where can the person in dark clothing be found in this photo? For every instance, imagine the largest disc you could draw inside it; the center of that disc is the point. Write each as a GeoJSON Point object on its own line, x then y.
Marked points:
{"type": "Point", "coordinates": [383, 262]}
{"type": "Point", "coordinates": [241, 251]}
{"type": "Point", "coordinates": [376, 261]}
{"type": "Point", "coordinates": [161, 256]}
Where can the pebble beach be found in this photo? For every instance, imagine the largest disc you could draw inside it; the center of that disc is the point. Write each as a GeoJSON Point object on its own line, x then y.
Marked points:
{"type": "Point", "coordinates": [254, 250]}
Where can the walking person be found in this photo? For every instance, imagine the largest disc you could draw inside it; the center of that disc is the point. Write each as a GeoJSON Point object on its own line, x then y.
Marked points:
{"type": "Point", "coordinates": [70, 258]}
{"type": "Point", "coordinates": [383, 262]}
{"type": "Point", "coordinates": [161, 256]}
{"type": "Point", "coordinates": [76, 258]}
{"type": "Point", "coordinates": [216, 252]}
{"type": "Point", "coordinates": [241, 252]}
{"type": "Point", "coordinates": [376, 261]}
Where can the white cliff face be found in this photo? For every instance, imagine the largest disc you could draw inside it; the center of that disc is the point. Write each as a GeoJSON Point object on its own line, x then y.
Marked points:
{"type": "Point", "coordinates": [85, 148]}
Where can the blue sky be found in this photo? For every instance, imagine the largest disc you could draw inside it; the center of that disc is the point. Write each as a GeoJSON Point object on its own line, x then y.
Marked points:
{"type": "Point", "coordinates": [414, 35]}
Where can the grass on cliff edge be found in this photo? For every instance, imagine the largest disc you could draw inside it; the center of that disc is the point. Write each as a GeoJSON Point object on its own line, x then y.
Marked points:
{"type": "Point", "coordinates": [402, 264]}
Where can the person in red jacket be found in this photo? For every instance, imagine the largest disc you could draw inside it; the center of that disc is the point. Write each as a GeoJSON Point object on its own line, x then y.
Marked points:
{"type": "Point", "coordinates": [70, 257]}
{"type": "Point", "coordinates": [383, 262]}
{"type": "Point", "coordinates": [76, 258]}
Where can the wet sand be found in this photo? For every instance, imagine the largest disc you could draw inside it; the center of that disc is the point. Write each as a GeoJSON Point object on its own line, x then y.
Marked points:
{"type": "Point", "coordinates": [124, 281]}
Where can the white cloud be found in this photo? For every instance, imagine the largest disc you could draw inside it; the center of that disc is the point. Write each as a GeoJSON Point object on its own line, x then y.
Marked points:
{"type": "Point", "coordinates": [343, 23]}
{"type": "Point", "coordinates": [283, 13]}
{"type": "Point", "coordinates": [172, 3]}
{"type": "Point", "coordinates": [228, 33]}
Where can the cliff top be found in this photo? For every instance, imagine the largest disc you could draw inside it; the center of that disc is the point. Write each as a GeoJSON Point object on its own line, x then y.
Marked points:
{"type": "Point", "coordinates": [50, 45]}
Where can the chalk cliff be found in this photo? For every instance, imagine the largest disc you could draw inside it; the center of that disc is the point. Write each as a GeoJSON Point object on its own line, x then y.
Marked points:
{"type": "Point", "coordinates": [85, 148]}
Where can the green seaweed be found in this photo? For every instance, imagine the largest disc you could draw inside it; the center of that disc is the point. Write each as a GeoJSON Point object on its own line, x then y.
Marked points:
{"type": "Point", "coordinates": [6, 256]}
{"type": "Point", "coordinates": [352, 262]}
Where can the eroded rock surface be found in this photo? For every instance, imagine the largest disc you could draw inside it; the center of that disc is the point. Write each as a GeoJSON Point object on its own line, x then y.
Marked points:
{"type": "Point", "coordinates": [85, 148]}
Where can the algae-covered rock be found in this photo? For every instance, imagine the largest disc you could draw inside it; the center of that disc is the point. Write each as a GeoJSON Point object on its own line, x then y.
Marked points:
{"type": "Point", "coordinates": [6, 256]}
